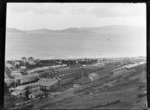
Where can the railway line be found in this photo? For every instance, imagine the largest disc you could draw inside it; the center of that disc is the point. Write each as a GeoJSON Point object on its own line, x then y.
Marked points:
{"type": "Point", "coordinates": [78, 91]}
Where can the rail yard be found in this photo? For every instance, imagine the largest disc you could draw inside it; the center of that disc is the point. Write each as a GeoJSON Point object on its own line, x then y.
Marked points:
{"type": "Point", "coordinates": [106, 84]}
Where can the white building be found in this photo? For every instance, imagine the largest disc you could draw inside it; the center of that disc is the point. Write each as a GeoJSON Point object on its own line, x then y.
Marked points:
{"type": "Point", "coordinates": [36, 94]}
{"type": "Point", "coordinates": [93, 76]}
{"type": "Point", "coordinates": [16, 63]}
{"type": "Point", "coordinates": [23, 67]}
{"type": "Point", "coordinates": [49, 84]}
{"type": "Point", "coordinates": [16, 74]}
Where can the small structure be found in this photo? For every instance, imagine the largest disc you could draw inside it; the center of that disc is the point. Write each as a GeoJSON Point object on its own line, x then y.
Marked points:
{"type": "Point", "coordinates": [16, 63]}
{"type": "Point", "coordinates": [28, 87]}
{"type": "Point", "coordinates": [49, 84]}
{"type": "Point", "coordinates": [20, 90]}
{"type": "Point", "coordinates": [93, 76]}
{"type": "Point", "coordinates": [16, 74]}
{"type": "Point", "coordinates": [23, 67]}
{"type": "Point", "coordinates": [83, 81]}
{"type": "Point", "coordinates": [36, 94]}
{"type": "Point", "coordinates": [76, 85]}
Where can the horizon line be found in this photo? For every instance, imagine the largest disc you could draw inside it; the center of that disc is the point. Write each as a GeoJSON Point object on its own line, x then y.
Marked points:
{"type": "Point", "coordinates": [74, 27]}
{"type": "Point", "coordinates": [81, 57]}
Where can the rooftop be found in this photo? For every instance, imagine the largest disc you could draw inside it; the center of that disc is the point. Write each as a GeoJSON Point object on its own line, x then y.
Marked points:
{"type": "Point", "coordinates": [116, 69]}
{"type": "Point", "coordinates": [47, 81]}
{"type": "Point", "coordinates": [16, 73]}
{"type": "Point", "coordinates": [22, 87]}
{"type": "Point", "coordinates": [38, 69]}
{"type": "Point", "coordinates": [37, 92]}
{"type": "Point", "coordinates": [67, 75]}
{"type": "Point", "coordinates": [96, 65]}
{"type": "Point", "coordinates": [84, 81]}
{"type": "Point", "coordinates": [61, 69]}
{"type": "Point", "coordinates": [43, 81]}
{"type": "Point", "coordinates": [93, 74]}
{"type": "Point", "coordinates": [27, 76]}
{"type": "Point", "coordinates": [45, 68]}
{"type": "Point", "coordinates": [131, 65]}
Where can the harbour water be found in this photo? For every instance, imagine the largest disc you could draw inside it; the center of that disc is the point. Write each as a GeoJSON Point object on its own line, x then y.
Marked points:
{"type": "Point", "coordinates": [68, 45]}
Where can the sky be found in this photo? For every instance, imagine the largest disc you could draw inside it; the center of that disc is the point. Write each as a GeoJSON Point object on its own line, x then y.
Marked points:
{"type": "Point", "coordinates": [28, 16]}
{"type": "Point", "coordinates": [57, 16]}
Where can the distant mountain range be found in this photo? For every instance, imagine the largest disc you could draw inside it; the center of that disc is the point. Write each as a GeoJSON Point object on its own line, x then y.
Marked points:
{"type": "Point", "coordinates": [116, 29]}
{"type": "Point", "coordinates": [103, 29]}
{"type": "Point", "coordinates": [13, 30]}
{"type": "Point", "coordinates": [68, 30]}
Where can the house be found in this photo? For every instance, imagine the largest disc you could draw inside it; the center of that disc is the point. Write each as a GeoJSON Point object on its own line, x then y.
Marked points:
{"type": "Point", "coordinates": [76, 85]}
{"type": "Point", "coordinates": [23, 67]}
{"type": "Point", "coordinates": [22, 89]}
{"type": "Point", "coordinates": [16, 63]}
{"type": "Point", "coordinates": [36, 94]}
{"type": "Point", "coordinates": [93, 76]}
{"type": "Point", "coordinates": [49, 83]}
{"type": "Point", "coordinates": [24, 59]}
{"type": "Point", "coordinates": [33, 87]}
{"type": "Point", "coordinates": [16, 74]}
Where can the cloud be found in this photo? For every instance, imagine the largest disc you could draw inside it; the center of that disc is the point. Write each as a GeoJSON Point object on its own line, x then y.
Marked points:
{"type": "Point", "coordinates": [95, 9]}
{"type": "Point", "coordinates": [111, 10]}
{"type": "Point", "coordinates": [37, 8]}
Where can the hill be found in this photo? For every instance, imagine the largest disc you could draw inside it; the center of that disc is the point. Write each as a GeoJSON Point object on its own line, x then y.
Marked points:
{"type": "Point", "coordinates": [116, 29]}
{"type": "Point", "coordinates": [68, 30]}
{"type": "Point", "coordinates": [103, 29]}
{"type": "Point", "coordinates": [13, 30]}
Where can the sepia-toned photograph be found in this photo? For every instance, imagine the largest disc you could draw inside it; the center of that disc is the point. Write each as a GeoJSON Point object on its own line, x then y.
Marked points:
{"type": "Point", "coordinates": [75, 56]}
